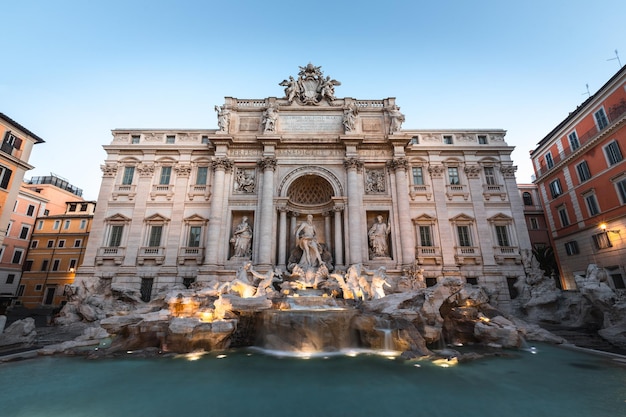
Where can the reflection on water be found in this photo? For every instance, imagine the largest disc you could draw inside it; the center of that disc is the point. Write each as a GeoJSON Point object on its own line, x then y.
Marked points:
{"type": "Point", "coordinates": [553, 382]}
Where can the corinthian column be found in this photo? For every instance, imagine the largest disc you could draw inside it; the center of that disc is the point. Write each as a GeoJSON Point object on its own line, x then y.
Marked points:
{"type": "Point", "coordinates": [268, 165]}
{"type": "Point", "coordinates": [214, 233]}
{"type": "Point", "coordinates": [282, 237]}
{"type": "Point", "coordinates": [355, 240]}
{"type": "Point", "coordinates": [407, 238]}
{"type": "Point", "coordinates": [338, 236]}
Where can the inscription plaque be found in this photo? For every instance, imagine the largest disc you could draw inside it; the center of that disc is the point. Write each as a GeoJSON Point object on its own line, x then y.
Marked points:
{"type": "Point", "coordinates": [312, 123]}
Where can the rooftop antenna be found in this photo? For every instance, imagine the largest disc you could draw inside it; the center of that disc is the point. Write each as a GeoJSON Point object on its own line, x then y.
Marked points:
{"type": "Point", "coordinates": [587, 92]}
{"type": "Point", "coordinates": [616, 58]}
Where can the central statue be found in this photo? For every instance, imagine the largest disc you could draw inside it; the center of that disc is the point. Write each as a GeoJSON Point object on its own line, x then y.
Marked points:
{"type": "Point", "coordinates": [306, 239]}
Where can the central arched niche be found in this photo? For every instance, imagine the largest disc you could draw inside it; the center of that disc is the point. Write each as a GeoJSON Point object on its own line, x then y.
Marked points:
{"type": "Point", "coordinates": [310, 191]}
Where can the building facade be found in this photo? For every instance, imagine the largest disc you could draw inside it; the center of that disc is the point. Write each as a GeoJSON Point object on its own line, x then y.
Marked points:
{"type": "Point", "coordinates": [536, 223]}
{"type": "Point", "coordinates": [177, 206]}
{"type": "Point", "coordinates": [57, 248]}
{"type": "Point", "coordinates": [581, 176]}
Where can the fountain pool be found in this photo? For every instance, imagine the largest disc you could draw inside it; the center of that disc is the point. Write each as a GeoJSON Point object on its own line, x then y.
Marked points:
{"type": "Point", "coordinates": [553, 382]}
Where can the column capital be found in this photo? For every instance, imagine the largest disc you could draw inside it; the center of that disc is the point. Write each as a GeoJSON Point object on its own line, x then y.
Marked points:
{"type": "Point", "coordinates": [508, 171]}
{"type": "Point", "coordinates": [145, 170]}
{"type": "Point", "coordinates": [223, 164]}
{"type": "Point", "coordinates": [108, 170]}
{"type": "Point", "coordinates": [266, 163]}
{"type": "Point", "coordinates": [350, 163]}
{"type": "Point", "coordinates": [182, 170]}
{"type": "Point", "coordinates": [472, 171]}
{"type": "Point", "coordinates": [398, 164]}
{"type": "Point", "coordinates": [436, 171]}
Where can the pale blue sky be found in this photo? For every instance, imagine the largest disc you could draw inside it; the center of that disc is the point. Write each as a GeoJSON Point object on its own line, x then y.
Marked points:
{"type": "Point", "coordinates": [73, 70]}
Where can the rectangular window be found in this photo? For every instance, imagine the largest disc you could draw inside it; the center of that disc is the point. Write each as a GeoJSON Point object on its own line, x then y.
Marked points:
{"type": "Point", "coordinates": [425, 236]}
{"type": "Point", "coordinates": [613, 153]}
{"type": "Point", "coordinates": [447, 140]}
{"type": "Point", "coordinates": [10, 278]}
{"type": "Point", "coordinates": [621, 190]}
{"type": "Point", "coordinates": [166, 173]}
{"type": "Point", "coordinates": [453, 176]}
{"type": "Point", "coordinates": [583, 171]}
{"type": "Point", "coordinates": [77, 243]}
{"type": "Point", "coordinates": [61, 243]}
{"type": "Point", "coordinates": [155, 236]}
{"type": "Point", "coordinates": [418, 176]}
{"type": "Point", "coordinates": [204, 140]}
{"type": "Point", "coordinates": [201, 175]}
{"type": "Point", "coordinates": [618, 281]}
{"type": "Point", "coordinates": [592, 204]}
{"type": "Point", "coordinates": [563, 216]}
{"type": "Point", "coordinates": [50, 243]}
{"type": "Point", "coordinates": [534, 223]}
{"type": "Point", "coordinates": [5, 177]}
{"type": "Point", "coordinates": [38, 287]}
{"type": "Point", "coordinates": [490, 176]}
{"type": "Point", "coordinates": [83, 224]}
{"type": "Point", "coordinates": [115, 239]}
{"type": "Point", "coordinates": [57, 224]}
{"type": "Point", "coordinates": [571, 248]}
{"type": "Point", "coordinates": [73, 263]}
{"type": "Point", "coordinates": [31, 210]}
{"type": "Point", "coordinates": [602, 240]}
{"type": "Point", "coordinates": [528, 198]}
{"type": "Point", "coordinates": [72, 207]}
{"type": "Point", "coordinates": [482, 139]}
{"type": "Point", "coordinates": [67, 224]}
{"type": "Point", "coordinates": [170, 139]}
{"type": "Point", "coordinates": [127, 178]}
{"type": "Point", "coordinates": [194, 236]}
{"type": "Point", "coordinates": [20, 290]}
{"type": "Point", "coordinates": [502, 236]}
{"type": "Point", "coordinates": [15, 205]}
{"type": "Point", "coordinates": [40, 225]}
{"type": "Point", "coordinates": [601, 119]}
{"type": "Point", "coordinates": [44, 265]}
{"type": "Point", "coordinates": [415, 140]}
{"type": "Point", "coordinates": [24, 232]}
{"type": "Point", "coordinates": [55, 264]}
{"type": "Point", "coordinates": [555, 188]}
{"type": "Point", "coordinates": [549, 160]}
{"type": "Point", "coordinates": [28, 265]}
{"type": "Point", "coordinates": [134, 139]}
{"type": "Point", "coordinates": [83, 206]}
{"type": "Point", "coordinates": [17, 256]}
{"type": "Point", "coordinates": [464, 236]}
{"type": "Point", "coordinates": [574, 143]}
{"type": "Point", "coordinates": [34, 244]}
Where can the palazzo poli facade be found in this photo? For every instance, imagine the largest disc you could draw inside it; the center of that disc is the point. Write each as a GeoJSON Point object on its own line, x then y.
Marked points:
{"type": "Point", "coordinates": [179, 206]}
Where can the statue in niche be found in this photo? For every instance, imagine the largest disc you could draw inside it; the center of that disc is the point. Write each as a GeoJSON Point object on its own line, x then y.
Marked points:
{"type": "Point", "coordinates": [223, 118]}
{"type": "Point", "coordinates": [306, 239]}
{"type": "Point", "coordinates": [244, 181]}
{"type": "Point", "coordinates": [349, 117]}
{"type": "Point", "coordinates": [378, 237]}
{"type": "Point", "coordinates": [242, 239]}
{"type": "Point", "coordinates": [270, 116]}
{"type": "Point", "coordinates": [375, 181]}
{"type": "Point", "coordinates": [397, 119]}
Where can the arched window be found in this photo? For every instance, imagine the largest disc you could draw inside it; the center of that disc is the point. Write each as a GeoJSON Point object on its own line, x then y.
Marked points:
{"type": "Point", "coordinates": [528, 199]}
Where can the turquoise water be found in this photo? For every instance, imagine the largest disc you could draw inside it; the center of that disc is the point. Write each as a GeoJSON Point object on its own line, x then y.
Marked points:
{"type": "Point", "coordinates": [553, 382]}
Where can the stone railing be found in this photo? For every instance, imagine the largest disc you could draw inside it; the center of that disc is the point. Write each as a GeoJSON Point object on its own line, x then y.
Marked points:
{"type": "Point", "coordinates": [490, 190]}
{"type": "Point", "coordinates": [110, 253]}
{"type": "Point", "coordinates": [464, 253]}
{"type": "Point", "coordinates": [155, 253]}
{"type": "Point", "coordinates": [455, 190]}
{"type": "Point", "coordinates": [428, 252]}
{"type": "Point", "coordinates": [421, 190]}
{"type": "Point", "coordinates": [191, 253]}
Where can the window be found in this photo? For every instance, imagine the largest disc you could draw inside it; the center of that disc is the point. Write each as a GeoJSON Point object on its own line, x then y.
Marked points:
{"type": "Point", "coordinates": [11, 142]}
{"type": "Point", "coordinates": [127, 178]}
{"type": "Point", "coordinates": [534, 223]}
{"type": "Point", "coordinates": [61, 243]}
{"type": "Point", "coordinates": [555, 188]}
{"type": "Point", "coordinates": [613, 153]}
{"type": "Point", "coordinates": [20, 290]}
{"type": "Point", "coordinates": [166, 173]}
{"type": "Point", "coordinates": [38, 287]}
{"type": "Point", "coordinates": [490, 176]}
{"type": "Point", "coordinates": [453, 176]}
{"type": "Point", "coordinates": [55, 264]}
{"type": "Point", "coordinates": [528, 198]}
{"type": "Point", "coordinates": [10, 278]}
{"type": "Point", "coordinates": [17, 256]}
{"type": "Point", "coordinates": [563, 216]}
{"type": "Point", "coordinates": [34, 244]}
{"type": "Point", "coordinates": [418, 176]}
{"type": "Point", "coordinates": [9, 226]}
{"type": "Point", "coordinates": [115, 237]}
{"type": "Point", "coordinates": [72, 207]}
{"type": "Point", "coordinates": [24, 232]}
{"type": "Point", "coordinates": [188, 281]}
{"type": "Point", "coordinates": [601, 119]}
{"type": "Point", "coordinates": [28, 265]}
{"type": "Point", "coordinates": [170, 139]}
{"type": "Point", "coordinates": [154, 239]}
{"type": "Point", "coordinates": [549, 160]}
{"type": "Point", "coordinates": [83, 206]}
{"type": "Point", "coordinates": [5, 177]}
{"type": "Point", "coordinates": [621, 189]}
{"type": "Point", "coordinates": [57, 224]}
{"type": "Point", "coordinates": [194, 236]}
{"type": "Point", "coordinates": [146, 289]}
{"type": "Point", "coordinates": [574, 143]}
{"type": "Point", "coordinates": [502, 236]}
{"type": "Point", "coordinates": [201, 175]}
{"type": "Point", "coordinates": [425, 236]}
{"type": "Point", "coordinates": [463, 233]}
{"type": "Point", "coordinates": [482, 139]}
{"type": "Point", "coordinates": [134, 139]}
{"type": "Point", "coordinates": [583, 171]}
{"type": "Point", "coordinates": [78, 243]}
{"type": "Point", "coordinates": [83, 224]}
{"type": "Point", "coordinates": [50, 243]}
{"type": "Point", "coordinates": [592, 204]}
{"type": "Point", "coordinates": [40, 225]}
{"type": "Point", "coordinates": [602, 240]}
{"type": "Point", "coordinates": [415, 140]}
{"type": "Point", "coordinates": [571, 248]}
{"type": "Point", "coordinates": [31, 210]}
{"type": "Point", "coordinates": [44, 265]}
{"type": "Point", "coordinates": [447, 140]}
{"type": "Point", "coordinates": [67, 224]}
{"type": "Point", "coordinates": [73, 263]}
{"type": "Point", "coordinates": [618, 281]}
{"type": "Point", "coordinates": [15, 205]}
{"type": "Point", "coordinates": [204, 140]}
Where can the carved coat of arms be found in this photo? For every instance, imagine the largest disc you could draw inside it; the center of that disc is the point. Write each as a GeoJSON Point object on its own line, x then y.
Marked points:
{"type": "Point", "coordinates": [311, 88]}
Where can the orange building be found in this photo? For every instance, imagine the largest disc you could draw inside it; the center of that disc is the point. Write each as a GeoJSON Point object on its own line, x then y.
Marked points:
{"type": "Point", "coordinates": [581, 177]}
{"type": "Point", "coordinates": [15, 149]}
{"type": "Point", "coordinates": [535, 217]}
{"type": "Point", "coordinates": [56, 249]}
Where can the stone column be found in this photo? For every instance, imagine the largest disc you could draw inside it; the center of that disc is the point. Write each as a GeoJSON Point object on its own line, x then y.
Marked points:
{"type": "Point", "coordinates": [214, 232]}
{"type": "Point", "coordinates": [355, 239]}
{"type": "Point", "coordinates": [338, 236]}
{"type": "Point", "coordinates": [327, 233]}
{"type": "Point", "coordinates": [282, 237]}
{"type": "Point", "coordinates": [407, 236]}
{"type": "Point", "coordinates": [267, 165]}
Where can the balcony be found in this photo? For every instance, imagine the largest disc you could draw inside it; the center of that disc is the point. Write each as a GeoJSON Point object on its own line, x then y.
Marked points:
{"type": "Point", "coordinates": [151, 253]}
{"type": "Point", "coordinates": [456, 190]}
{"type": "Point", "coordinates": [189, 253]}
{"type": "Point", "coordinates": [421, 190]}
{"type": "Point", "coordinates": [465, 254]}
{"type": "Point", "coordinates": [492, 190]}
{"type": "Point", "coordinates": [166, 190]}
{"type": "Point", "coordinates": [127, 190]}
{"type": "Point", "coordinates": [10, 150]}
{"type": "Point", "coordinates": [428, 254]}
{"type": "Point", "coordinates": [110, 253]}
{"type": "Point", "coordinates": [199, 190]}
{"type": "Point", "coordinates": [502, 253]}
